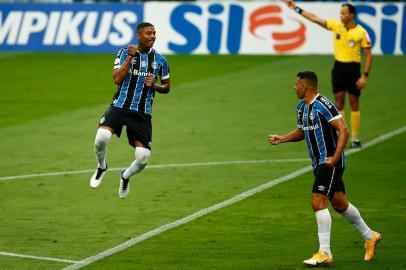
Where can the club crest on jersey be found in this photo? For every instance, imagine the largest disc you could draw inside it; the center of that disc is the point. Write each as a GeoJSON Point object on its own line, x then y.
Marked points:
{"type": "Point", "coordinates": [338, 36]}
{"type": "Point", "coordinates": [154, 65]}
{"type": "Point", "coordinates": [311, 116]}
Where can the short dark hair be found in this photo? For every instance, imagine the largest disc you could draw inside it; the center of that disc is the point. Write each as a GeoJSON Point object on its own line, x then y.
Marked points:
{"type": "Point", "coordinates": [143, 25]}
{"type": "Point", "coordinates": [351, 8]}
{"type": "Point", "coordinates": [310, 77]}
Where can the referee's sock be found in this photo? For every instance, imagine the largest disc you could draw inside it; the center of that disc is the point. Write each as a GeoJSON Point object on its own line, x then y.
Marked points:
{"type": "Point", "coordinates": [355, 123]}
{"type": "Point", "coordinates": [354, 217]}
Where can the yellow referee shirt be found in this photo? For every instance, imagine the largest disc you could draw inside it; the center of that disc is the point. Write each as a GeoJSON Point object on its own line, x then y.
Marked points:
{"type": "Point", "coordinates": [348, 43]}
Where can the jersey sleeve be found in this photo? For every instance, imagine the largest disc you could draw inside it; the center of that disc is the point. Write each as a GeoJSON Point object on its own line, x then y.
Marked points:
{"type": "Point", "coordinates": [328, 110]}
{"type": "Point", "coordinates": [164, 69]}
{"type": "Point", "coordinates": [120, 58]}
{"type": "Point", "coordinates": [332, 24]}
{"type": "Point", "coordinates": [365, 41]}
{"type": "Point", "coordinates": [299, 114]}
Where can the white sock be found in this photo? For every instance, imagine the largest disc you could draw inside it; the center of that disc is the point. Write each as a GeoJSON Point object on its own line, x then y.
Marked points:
{"type": "Point", "coordinates": [354, 217]}
{"type": "Point", "coordinates": [100, 146]}
{"type": "Point", "coordinates": [324, 230]}
{"type": "Point", "coordinates": [141, 159]}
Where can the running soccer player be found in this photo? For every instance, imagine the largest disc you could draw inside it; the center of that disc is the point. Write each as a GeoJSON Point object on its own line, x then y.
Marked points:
{"type": "Point", "coordinates": [322, 126]}
{"type": "Point", "coordinates": [350, 39]}
{"type": "Point", "coordinates": [136, 72]}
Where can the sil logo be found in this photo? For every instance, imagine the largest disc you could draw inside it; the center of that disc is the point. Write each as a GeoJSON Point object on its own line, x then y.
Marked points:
{"type": "Point", "coordinates": [285, 41]}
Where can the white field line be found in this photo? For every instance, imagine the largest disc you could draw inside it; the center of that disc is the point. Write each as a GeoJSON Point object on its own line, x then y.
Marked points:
{"type": "Point", "coordinates": [213, 163]}
{"type": "Point", "coordinates": [37, 257]}
{"type": "Point", "coordinates": [220, 205]}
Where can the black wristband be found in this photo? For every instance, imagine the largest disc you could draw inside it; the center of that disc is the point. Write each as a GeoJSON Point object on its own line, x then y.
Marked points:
{"type": "Point", "coordinates": [366, 74]}
{"type": "Point", "coordinates": [298, 10]}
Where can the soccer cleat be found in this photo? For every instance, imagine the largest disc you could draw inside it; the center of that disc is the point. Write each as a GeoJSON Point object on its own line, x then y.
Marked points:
{"type": "Point", "coordinates": [124, 188]}
{"type": "Point", "coordinates": [97, 177]}
{"type": "Point", "coordinates": [320, 258]}
{"type": "Point", "coordinates": [356, 144]}
{"type": "Point", "coordinates": [370, 246]}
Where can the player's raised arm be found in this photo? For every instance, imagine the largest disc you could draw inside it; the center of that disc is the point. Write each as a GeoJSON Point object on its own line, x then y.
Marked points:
{"type": "Point", "coordinates": [308, 15]}
{"type": "Point", "coordinates": [294, 136]}
{"type": "Point", "coordinates": [119, 74]}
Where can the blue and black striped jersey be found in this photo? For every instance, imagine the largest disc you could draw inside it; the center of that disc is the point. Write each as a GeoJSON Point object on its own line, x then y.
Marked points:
{"type": "Point", "coordinates": [132, 93]}
{"type": "Point", "coordinates": [321, 138]}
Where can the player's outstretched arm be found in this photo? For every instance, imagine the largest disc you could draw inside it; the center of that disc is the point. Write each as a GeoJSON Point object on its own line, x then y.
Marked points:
{"type": "Point", "coordinates": [294, 136]}
{"type": "Point", "coordinates": [308, 15]}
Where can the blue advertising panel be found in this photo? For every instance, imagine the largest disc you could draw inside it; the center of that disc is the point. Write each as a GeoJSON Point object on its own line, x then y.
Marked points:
{"type": "Point", "coordinates": [73, 27]}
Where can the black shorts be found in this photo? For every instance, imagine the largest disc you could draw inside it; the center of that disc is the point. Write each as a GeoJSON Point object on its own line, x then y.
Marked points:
{"type": "Point", "coordinates": [328, 180]}
{"type": "Point", "coordinates": [138, 125]}
{"type": "Point", "coordinates": [344, 77]}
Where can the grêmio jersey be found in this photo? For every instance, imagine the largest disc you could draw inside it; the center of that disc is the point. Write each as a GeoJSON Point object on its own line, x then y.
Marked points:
{"type": "Point", "coordinates": [132, 93]}
{"type": "Point", "coordinates": [321, 138]}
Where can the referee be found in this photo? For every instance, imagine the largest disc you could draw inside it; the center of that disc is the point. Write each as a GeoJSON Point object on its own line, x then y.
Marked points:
{"type": "Point", "coordinates": [349, 39]}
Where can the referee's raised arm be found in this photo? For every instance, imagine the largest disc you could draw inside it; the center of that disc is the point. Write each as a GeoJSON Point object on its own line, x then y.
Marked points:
{"type": "Point", "coordinates": [308, 15]}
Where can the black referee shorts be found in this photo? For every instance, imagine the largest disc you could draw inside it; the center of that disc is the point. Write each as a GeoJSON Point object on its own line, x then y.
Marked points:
{"type": "Point", "coordinates": [139, 126]}
{"type": "Point", "coordinates": [328, 180]}
{"type": "Point", "coordinates": [344, 77]}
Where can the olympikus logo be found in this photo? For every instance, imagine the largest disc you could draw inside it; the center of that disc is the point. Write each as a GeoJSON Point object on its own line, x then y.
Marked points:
{"type": "Point", "coordinates": [90, 28]}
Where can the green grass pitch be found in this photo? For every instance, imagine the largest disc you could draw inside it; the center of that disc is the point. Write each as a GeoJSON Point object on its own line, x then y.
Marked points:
{"type": "Point", "coordinates": [221, 108]}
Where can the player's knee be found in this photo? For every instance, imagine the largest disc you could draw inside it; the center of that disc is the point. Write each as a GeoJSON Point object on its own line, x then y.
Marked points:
{"type": "Point", "coordinates": [142, 155]}
{"type": "Point", "coordinates": [339, 206]}
{"type": "Point", "coordinates": [102, 137]}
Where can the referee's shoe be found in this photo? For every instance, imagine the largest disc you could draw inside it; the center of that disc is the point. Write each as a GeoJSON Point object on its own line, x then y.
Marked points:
{"type": "Point", "coordinates": [97, 177]}
{"type": "Point", "coordinates": [356, 144]}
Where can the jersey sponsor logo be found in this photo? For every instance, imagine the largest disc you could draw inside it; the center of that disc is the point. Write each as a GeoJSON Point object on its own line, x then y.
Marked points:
{"type": "Point", "coordinates": [351, 43]}
{"type": "Point", "coordinates": [136, 72]}
{"type": "Point", "coordinates": [326, 102]}
{"type": "Point", "coordinates": [67, 27]}
{"type": "Point", "coordinates": [309, 127]}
